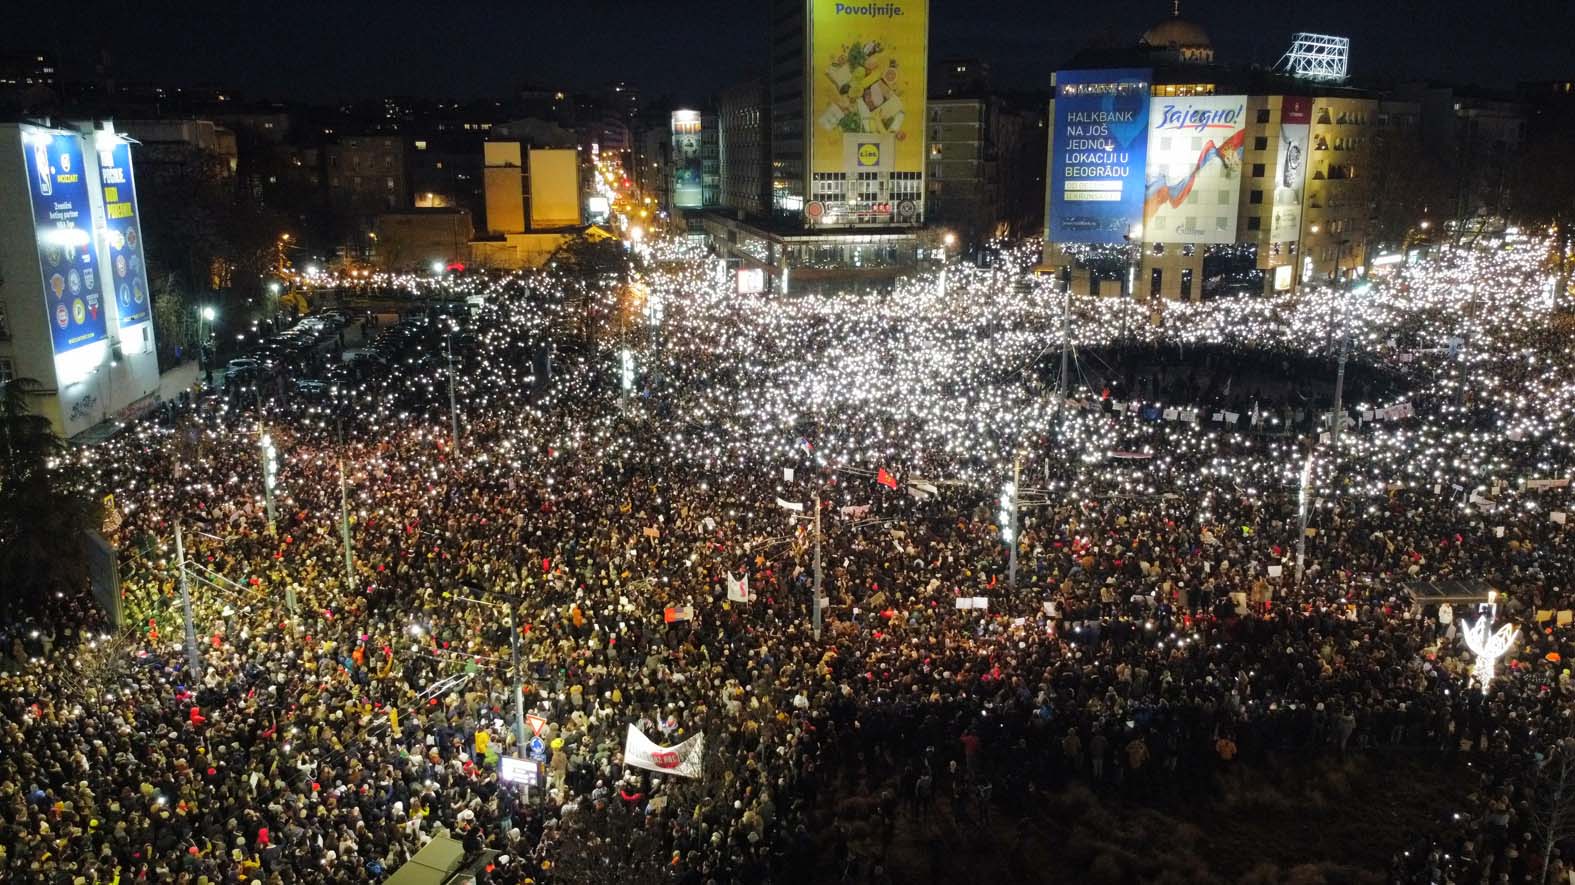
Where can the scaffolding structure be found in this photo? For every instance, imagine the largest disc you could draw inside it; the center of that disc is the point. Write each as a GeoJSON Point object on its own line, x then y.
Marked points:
{"type": "Point", "coordinates": [1319, 57]}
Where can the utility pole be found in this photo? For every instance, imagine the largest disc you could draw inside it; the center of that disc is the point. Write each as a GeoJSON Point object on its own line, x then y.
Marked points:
{"type": "Point", "coordinates": [344, 510]}
{"type": "Point", "coordinates": [1011, 556]}
{"type": "Point", "coordinates": [1337, 417]}
{"type": "Point", "coordinates": [519, 690]}
{"type": "Point", "coordinates": [1066, 353]}
{"type": "Point", "coordinates": [514, 657]}
{"type": "Point", "coordinates": [193, 657]}
{"type": "Point", "coordinates": [1301, 522]}
{"type": "Point", "coordinates": [816, 604]}
{"type": "Point", "coordinates": [1008, 520]}
{"type": "Point", "coordinates": [453, 407]}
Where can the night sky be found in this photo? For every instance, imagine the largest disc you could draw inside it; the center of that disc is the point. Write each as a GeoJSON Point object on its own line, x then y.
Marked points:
{"type": "Point", "coordinates": [333, 49]}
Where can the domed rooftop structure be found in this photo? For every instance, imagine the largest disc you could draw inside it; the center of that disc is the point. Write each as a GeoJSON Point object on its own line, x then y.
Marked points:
{"type": "Point", "coordinates": [1175, 34]}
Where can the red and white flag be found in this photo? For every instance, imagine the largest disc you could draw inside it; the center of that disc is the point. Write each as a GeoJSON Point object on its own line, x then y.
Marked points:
{"type": "Point", "coordinates": [680, 759]}
{"type": "Point", "coordinates": [678, 613]}
{"type": "Point", "coordinates": [738, 588]}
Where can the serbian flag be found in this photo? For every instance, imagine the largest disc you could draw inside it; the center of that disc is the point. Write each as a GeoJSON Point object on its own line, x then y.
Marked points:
{"type": "Point", "coordinates": [806, 445]}
{"type": "Point", "coordinates": [885, 479]}
{"type": "Point", "coordinates": [678, 613]}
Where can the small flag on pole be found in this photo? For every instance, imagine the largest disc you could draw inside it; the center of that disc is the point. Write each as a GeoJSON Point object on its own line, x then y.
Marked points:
{"type": "Point", "coordinates": [885, 479]}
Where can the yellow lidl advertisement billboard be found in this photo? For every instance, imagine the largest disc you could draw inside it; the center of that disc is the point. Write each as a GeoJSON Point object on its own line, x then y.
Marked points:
{"type": "Point", "coordinates": [868, 64]}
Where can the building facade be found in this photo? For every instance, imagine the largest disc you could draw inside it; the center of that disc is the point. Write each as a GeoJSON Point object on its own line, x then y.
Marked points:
{"type": "Point", "coordinates": [1170, 177]}
{"type": "Point", "coordinates": [76, 312]}
{"type": "Point", "coordinates": [743, 141]}
{"type": "Point", "coordinates": [366, 174]}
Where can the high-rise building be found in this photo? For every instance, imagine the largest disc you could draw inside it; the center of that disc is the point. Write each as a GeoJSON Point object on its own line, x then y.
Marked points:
{"type": "Point", "coordinates": [846, 89]}
{"type": "Point", "coordinates": [789, 56]}
{"type": "Point", "coordinates": [75, 307]}
{"type": "Point", "coordinates": [974, 150]}
{"type": "Point", "coordinates": [743, 132]}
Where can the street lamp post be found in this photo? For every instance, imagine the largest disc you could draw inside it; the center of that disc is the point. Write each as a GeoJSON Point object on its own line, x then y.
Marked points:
{"type": "Point", "coordinates": [205, 317]}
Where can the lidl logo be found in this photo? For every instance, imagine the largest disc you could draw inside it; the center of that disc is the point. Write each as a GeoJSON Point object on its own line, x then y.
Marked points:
{"type": "Point", "coordinates": [869, 154]}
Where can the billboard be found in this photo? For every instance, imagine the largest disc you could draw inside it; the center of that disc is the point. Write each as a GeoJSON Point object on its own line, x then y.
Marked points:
{"type": "Point", "coordinates": [751, 280]}
{"type": "Point", "coordinates": [868, 75]}
{"type": "Point", "coordinates": [123, 234]}
{"type": "Point", "coordinates": [687, 191]}
{"type": "Point", "coordinates": [1290, 169]}
{"type": "Point", "coordinates": [1195, 148]}
{"type": "Point", "coordinates": [63, 233]}
{"type": "Point", "coordinates": [1097, 151]}
{"type": "Point", "coordinates": [554, 187]}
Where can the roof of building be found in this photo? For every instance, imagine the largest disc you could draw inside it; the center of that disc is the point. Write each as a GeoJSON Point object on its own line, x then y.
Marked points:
{"type": "Point", "coordinates": [1176, 32]}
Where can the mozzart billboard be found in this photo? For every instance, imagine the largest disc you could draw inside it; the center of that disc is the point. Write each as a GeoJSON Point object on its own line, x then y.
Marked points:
{"type": "Point", "coordinates": [1195, 150]}
{"type": "Point", "coordinates": [123, 234]}
{"type": "Point", "coordinates": [62, 229]}
{"type": "Point", "coordinates": [1097, 155]}
{"type": "Point", "coordinates": [868, 75]}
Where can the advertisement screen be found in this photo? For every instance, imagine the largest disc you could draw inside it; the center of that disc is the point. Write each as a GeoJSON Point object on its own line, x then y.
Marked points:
{"type": "Point", "coordinates": [868, 75]}
{"type": "Point", "coordinates": [62, 227]}
{"type": "Point", "coordinates": [123, 231]}
{"type": "Point", "coordinates": [751, 281]}
{"type": "Point", "coordinates": [687, 192]}
{"type": "Point", "coordinates": [1097, 154]}
{"type": "Point", "coordinates": [1290, 170]}
{"type": "Point", "coordinates": [1195, 148]}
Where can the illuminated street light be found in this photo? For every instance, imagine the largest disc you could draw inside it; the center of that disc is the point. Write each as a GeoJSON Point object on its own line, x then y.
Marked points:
{"type": "Point", "coordinates": [209, 314]}
{"type": "Point", "coordinates": [437, 267]}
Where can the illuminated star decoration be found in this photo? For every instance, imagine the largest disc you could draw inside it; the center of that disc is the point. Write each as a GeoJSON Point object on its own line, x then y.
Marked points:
{"type": "Point", "coordinates": [1488, 648]}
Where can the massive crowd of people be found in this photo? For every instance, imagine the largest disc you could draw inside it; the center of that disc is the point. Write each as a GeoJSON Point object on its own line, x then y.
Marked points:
{"type": "Point", "coordinates": [1156, 633]}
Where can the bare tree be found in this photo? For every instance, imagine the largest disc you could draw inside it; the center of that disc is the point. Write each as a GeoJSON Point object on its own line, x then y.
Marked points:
{"type": "Point", "coordinates": [1552, 815]}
